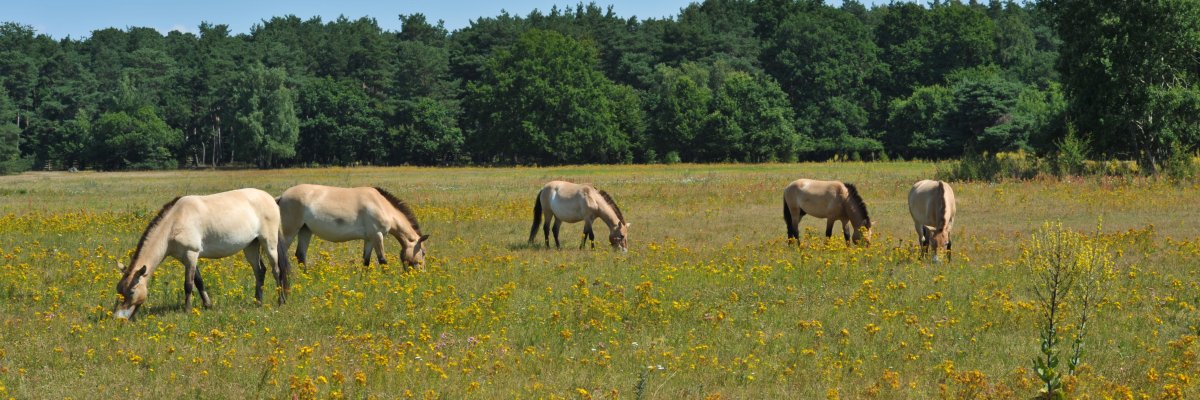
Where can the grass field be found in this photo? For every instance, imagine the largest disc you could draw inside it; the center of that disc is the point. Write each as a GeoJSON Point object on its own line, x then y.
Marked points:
{"type": "Point", "coordinates": [709, 302]}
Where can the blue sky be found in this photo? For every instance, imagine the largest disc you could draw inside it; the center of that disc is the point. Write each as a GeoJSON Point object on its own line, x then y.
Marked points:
{"type": "Point", "coordinates": [77, 18]}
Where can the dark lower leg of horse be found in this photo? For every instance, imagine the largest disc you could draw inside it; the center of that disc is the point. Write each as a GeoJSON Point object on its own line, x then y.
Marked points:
{"type": "Point", "coordinates": [260, 274]}
{"type": "Point", "coordinates": [203, 293]}
{"type": "Point", "coordinates": [546, 232]}
{"type": "Point", "coordinates": [367, 246]}
{"type": "Point", "coordinates": [557, 244]}
{"type": "Point", "coordinates": [188, 285]}
{"type": "Point", "coordinates": [829, 231]}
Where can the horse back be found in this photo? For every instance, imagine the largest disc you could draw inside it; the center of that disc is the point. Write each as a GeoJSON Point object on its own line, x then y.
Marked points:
{"type": "Point", "coordinates": [223, 223]}
{"type": "Point", "coordinates": [931, 203]}
{"type": "Point", "coordinates": [567, 201]}
{"type": "Point", "coordinates": [821, 199]}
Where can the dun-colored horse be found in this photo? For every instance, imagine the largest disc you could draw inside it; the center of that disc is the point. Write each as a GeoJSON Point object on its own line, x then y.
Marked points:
{"type": "Point", "coordinates": [214, 226]}
{"type": "Point", "coordinates": [568, 202]}
{"type": "Point", "coordinates": [932, 206]}
{"type": "Point", "coordinates": [342, 214]}
{"type": "Point", "coordinates": [831, 200]}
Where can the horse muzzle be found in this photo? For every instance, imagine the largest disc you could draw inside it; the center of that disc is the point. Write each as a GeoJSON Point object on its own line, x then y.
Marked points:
{"type": "Point", "coordinates": [125, 313]}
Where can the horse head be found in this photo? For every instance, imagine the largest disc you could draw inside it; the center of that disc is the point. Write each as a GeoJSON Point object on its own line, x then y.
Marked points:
{"type": "Point", "coordinates": [619, 236]}
{"type": "Point", "coordinates": [414, 256]}
{"type": "Point", "coordinates": [131, 291]}
{"type": "Point", "coordinates": [937, 238]}
{"type": "Point", "coordinates": [863, 233]}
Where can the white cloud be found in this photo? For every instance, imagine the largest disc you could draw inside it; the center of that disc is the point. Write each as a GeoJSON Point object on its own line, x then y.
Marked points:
{"type": "Point", "coordinates": [179, 28]}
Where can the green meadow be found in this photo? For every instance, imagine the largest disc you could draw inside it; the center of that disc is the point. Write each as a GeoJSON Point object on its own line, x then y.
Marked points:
{"type": "Point", "coordinates": [709, 302]}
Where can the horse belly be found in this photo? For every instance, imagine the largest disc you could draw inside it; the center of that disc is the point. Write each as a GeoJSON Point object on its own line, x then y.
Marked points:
{"type": "Point", "coordinates": [336, 230]}
{"type": "Point", "coordinates": [817, 208]}
{"type": "Point", "coordinates": [565, 211]}
{"type": "Point", "coordinates": [220, 246]}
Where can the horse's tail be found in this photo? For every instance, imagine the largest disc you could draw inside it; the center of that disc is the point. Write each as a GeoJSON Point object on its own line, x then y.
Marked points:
{"type": "Point", "coordinates": [537, 216]}
{"type": "Point", "coordinates": [792, 231]}
{"type": "Point", "coordinates": [281, 256]}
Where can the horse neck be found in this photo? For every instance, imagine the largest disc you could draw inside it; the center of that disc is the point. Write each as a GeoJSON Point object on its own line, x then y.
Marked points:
{"type": "Point", "coordinates": [855, 214]}
{"type": "Point", "coordinates": [607, 214]}
{"type": "Point", "coordinates": [402, 229]}
{"type": "Point", "coordinates": [154, 248]}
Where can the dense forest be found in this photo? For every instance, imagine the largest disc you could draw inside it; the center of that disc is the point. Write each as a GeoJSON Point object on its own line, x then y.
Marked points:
{"type": "Point", "coordinates": [724, 80]}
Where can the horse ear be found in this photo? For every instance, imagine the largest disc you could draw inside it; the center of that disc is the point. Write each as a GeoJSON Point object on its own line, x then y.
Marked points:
{"type": "Point", "coordinates": [423, 238]}
{"type": "Point", "coordinates": [140, 272]}
{"type": "Point", "coordinates": [120, 266]}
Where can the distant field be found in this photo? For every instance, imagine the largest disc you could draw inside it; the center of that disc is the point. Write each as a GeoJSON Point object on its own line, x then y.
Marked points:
{"type": "Point", "coordinates": [709, 302]}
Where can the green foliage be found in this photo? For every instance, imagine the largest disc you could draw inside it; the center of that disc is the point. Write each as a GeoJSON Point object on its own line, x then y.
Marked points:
{"type": "Point", "coordinates": [1180, 166]}
{"type": "Point", "coordinates": [429, 133]}
{"type": "Point", "coordinates": [1072, 154]}
{"type": "Point", "coordinates": [1130, 73]}
{"type": "Point", "coordinates": [919, 123]}
{"type": "Point", "coordinates": [138, 140]}
{"type": "Point", "coordinates": [825, 59]}
{"type": "Point", "coordinates": [723, 80]}
{"type": "Point", "coordinates": [719, 113]}
{"type": "Point", "coordinates": [336, 122]}
{"type": "Point", "coordinates": [992, 167]}
{"type": "Point", "coordinates": [543, 100]}
{"type": "Point", "coordinates": [265, 124]}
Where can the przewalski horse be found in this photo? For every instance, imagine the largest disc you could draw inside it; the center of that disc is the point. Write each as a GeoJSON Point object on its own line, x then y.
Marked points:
{"type": "Point", "coordinates": [569, 202]}
{"type": "Point", "coordinates": [339, 214]}
{"type": "Point", "coordinates": [831, 200]}
{"type": "Point", "coordinates": [214, 226]}
{"type": "Point", "coordinates": [932, 206]}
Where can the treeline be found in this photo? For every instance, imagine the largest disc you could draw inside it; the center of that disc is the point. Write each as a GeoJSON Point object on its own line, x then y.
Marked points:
{"type": "Point", "coordinates": [725, 80]}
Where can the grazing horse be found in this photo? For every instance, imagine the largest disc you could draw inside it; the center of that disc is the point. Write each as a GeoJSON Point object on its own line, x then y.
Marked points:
{"type": "Point", "coordinates": [569, 202]}
{"type": "Point", "coordinates": [342, 214]}
{"type": "Point", "coordinates": [214, 226]}
{"type": "Point", "coordinates": [931, 204]}
{"type": "Point", "coordinates": [832, 200]}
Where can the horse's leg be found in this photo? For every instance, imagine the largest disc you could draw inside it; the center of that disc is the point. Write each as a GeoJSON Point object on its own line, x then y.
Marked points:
{"type": "Point", "coordinates": [379, 239]}
{"type": "Point", "coordinates": [587, 231]}
{"type": "Point", "coordinates": [557, 225]}
{"type": "Point", "coordinates": [252, 253]}
{"type": "Point", "coordinates": [200, 289]}
{"type": "Point", "coordinates": [793, 221]}
{"type": "Point", "coordinates": [302, 245]}
{"type": "Point", "coordinates": [189, 277]}
{"type": "Point", "coordinates": [829, 227]}
{"type": "Point", "coordinates": [368, 246]}
{"type": "Point", "coordinates": [846, 230]}
{"type": "Point", "coordinates": [921, 240]}
{"type": "Point", "coordinates": [546, 229]}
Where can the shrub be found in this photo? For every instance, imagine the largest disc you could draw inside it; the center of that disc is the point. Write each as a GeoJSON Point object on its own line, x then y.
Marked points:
{"type": "Point", "coordinates": [988, 167]}
{"type": "Point", "coordinates": [1072, 154]}
{"type": "Point", "coordinates": [16, 165]}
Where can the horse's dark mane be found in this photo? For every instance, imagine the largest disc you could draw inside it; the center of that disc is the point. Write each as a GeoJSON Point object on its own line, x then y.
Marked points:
{"type": "Point", "coordinates": [154, 222]}
{"type": "Point", "coordinates": [858, 201]}
{"type": "Point", "coordinates": [613, 204]}
{"type": "Point", "coordinates": [402, 207]}
{"type": "Point", "coordinates": [942, 200]}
